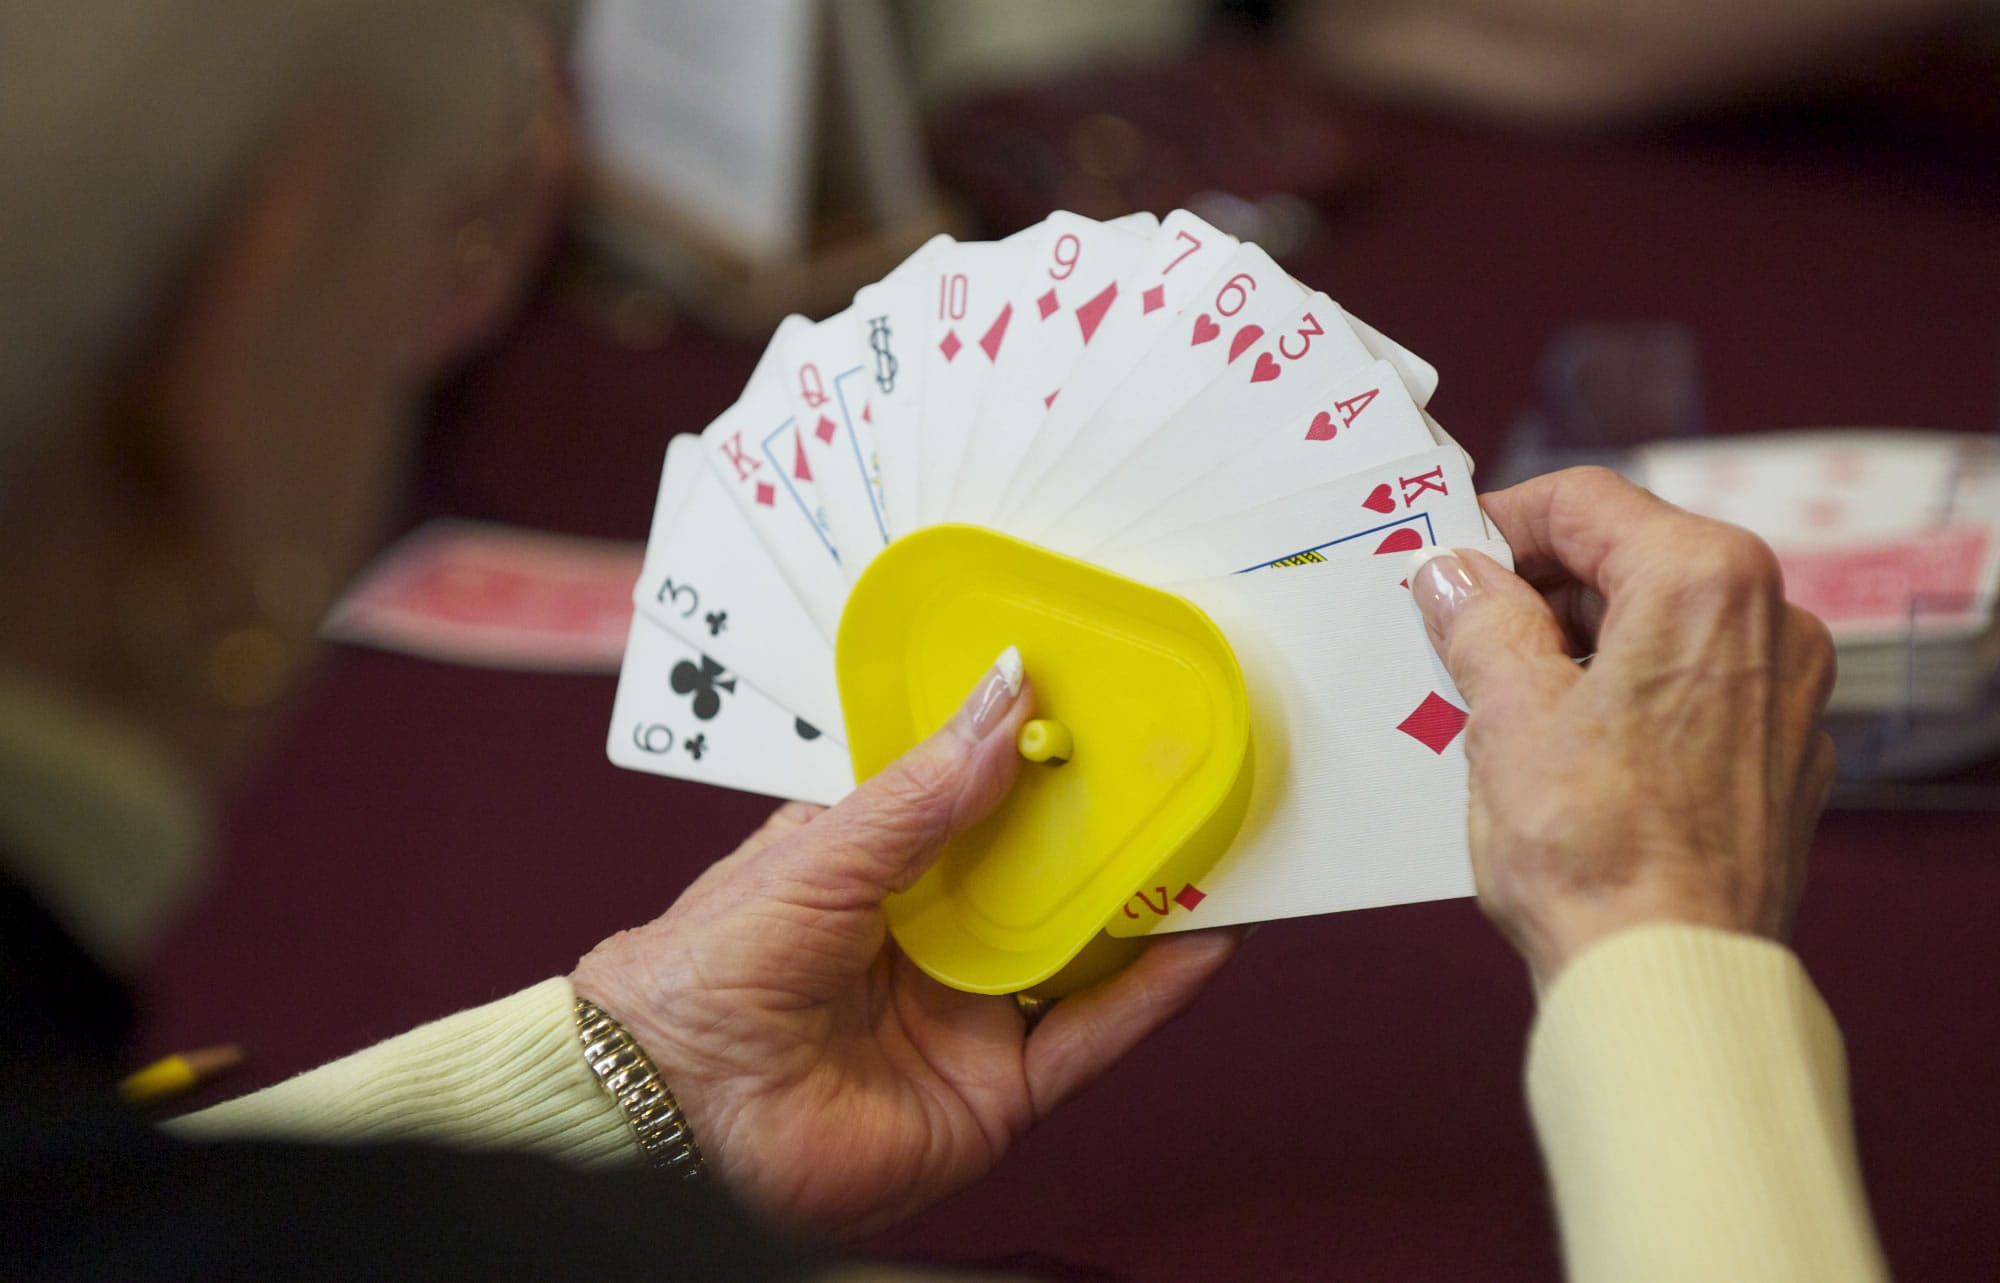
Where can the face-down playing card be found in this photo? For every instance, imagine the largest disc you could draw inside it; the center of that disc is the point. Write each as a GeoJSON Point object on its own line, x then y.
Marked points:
{"type": "Point", "coordinates": [1359, 797]}
{"type": "Point", "coordinates": [1807, 488]}
{"type": "Point", "coordinates": [469, 592]}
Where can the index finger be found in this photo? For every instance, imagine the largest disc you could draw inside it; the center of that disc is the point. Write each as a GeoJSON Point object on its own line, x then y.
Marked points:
{"type": "Point", "coordinates": [1582, 523]}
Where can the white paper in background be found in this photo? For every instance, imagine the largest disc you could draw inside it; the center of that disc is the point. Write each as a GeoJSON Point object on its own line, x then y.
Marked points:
{"type": "Point", "coordinates": [876, 108]}
{"type": "Point", "coordinates": [707, 103]}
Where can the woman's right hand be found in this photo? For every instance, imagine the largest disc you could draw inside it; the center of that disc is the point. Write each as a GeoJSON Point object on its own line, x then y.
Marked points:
{"type": "Point", "coordinates": [833, 1085]}
{"type": "Point", "coordinates": [1678, 776]}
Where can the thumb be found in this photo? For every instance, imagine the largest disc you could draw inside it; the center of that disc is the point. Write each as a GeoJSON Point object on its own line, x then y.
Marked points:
{"type": "Point", "coordinates": [882, 837]}
{"type": "Point", "coordinates": [1495, 634]}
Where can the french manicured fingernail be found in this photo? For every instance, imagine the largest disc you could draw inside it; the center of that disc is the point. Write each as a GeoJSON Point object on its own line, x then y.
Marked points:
{"type": "Point", "coordinates": [1442, 585]}
{"type": "Point", "coordinates": [991, 700]}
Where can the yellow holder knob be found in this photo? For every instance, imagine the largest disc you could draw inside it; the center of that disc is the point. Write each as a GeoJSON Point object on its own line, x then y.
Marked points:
{"type": "Point", "coordinates": [1043, 739]}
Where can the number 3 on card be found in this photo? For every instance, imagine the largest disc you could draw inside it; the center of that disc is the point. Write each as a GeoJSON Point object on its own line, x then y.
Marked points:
{"type": "Point", "coordinates": [1305, 335]}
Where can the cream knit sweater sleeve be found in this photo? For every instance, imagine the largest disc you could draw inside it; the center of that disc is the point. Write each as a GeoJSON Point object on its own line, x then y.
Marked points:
{"type": "Point", "coordinates": [508, 1075]}
{"type": "Point", "coordinates": [1690, 1091]}
{"type": "Point", "coordinates": [1688, 1086]}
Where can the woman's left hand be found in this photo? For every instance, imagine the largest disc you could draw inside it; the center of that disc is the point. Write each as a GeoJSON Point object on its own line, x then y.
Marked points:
{"type": "Point", "coordinates": [830, 1083]}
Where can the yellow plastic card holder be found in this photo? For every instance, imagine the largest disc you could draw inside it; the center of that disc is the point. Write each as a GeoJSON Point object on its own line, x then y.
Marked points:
{"type": "Point", "coordinates": [1139, 760]}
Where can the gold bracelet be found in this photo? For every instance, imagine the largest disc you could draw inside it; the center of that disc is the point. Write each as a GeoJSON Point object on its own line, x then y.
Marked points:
{"type": "Point", "coordinates": [624, 1070]}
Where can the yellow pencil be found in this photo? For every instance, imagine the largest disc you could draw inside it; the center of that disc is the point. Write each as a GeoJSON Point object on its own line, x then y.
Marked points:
{"type": "Point", "coordinates": [167, 1078]}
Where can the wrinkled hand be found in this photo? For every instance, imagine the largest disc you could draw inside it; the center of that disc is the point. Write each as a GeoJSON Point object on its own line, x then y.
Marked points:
{"type": "Point", "coordinates": [1596, 62]}
{"type": "Point", "coordinates": [1677, 777]}
{"type": "Point", "coordinates": [829, 1082]}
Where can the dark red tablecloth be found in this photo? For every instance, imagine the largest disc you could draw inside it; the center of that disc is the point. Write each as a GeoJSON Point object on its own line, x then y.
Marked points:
{"type": "Point", "coordinates": [1346, 1101]}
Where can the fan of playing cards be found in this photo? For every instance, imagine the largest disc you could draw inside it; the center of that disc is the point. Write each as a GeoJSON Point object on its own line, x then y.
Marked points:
{"type": "Point", "coordinates": [1147, 395]}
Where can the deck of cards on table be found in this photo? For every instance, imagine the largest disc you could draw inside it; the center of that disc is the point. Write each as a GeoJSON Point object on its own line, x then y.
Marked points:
{"type": "Point", "coordinates": [1146, 395]}
{"type": "Point", "coordinates": [1891, 537]}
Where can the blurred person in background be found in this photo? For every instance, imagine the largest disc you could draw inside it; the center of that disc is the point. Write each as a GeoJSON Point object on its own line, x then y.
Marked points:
{"type": "Point", "coordinates": [237, 242]}
{"type": "Point", "coordinates": [1590, 63]}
